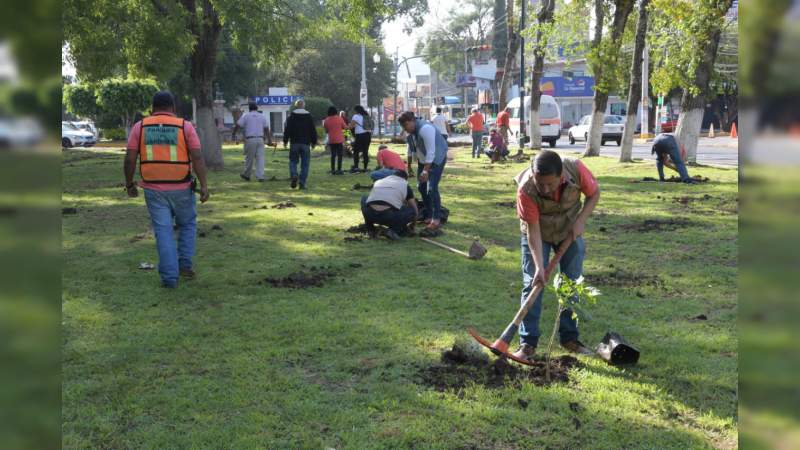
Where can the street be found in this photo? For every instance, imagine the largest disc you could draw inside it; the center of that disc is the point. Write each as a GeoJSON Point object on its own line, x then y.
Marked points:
{"type": "Point", "coordinates": [719, 151]}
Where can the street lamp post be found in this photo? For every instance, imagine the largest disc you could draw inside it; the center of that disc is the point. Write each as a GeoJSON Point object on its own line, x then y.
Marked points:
{"type": "Point", "coordinates": [363, 96]}
{"type": "Point", "coordinates": [376, 58]}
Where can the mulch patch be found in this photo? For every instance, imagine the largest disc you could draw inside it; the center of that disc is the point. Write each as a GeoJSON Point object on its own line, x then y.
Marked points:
{"type": "Point", "coordinates": [620, 278]}
{"type": "Point", "coordinates": [458, 368]}
{"type": "Point", "coordinates": [313, 277]}
{"type": "Point", "coordinates": [672, 179]}
{"type": "Point", "coordinates": [649, 225]}
{"type": "Point", "coordinates": [284, 205]}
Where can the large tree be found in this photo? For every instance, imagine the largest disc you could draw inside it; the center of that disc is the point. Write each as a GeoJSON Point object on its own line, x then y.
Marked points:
{"type": "Point", "coordinates": [152, 37]}
{"type": "Point", "coordinates": [331, 68]}
{"type": "Point", "coordinates": [604, 57]}
{"type": "Point", "coordinates": [635, 87]}
{"type": "Point", "coordinates": [543, 28]}
{"type": "Point", "coordinates": [693, 28]}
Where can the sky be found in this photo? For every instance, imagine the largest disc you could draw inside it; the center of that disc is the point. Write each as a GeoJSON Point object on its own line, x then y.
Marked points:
{"type": "Point", "coordinates": [394, 37]}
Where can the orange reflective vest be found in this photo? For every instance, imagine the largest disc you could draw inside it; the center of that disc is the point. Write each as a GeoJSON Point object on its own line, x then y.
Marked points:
{"type": "Point", "coordinates": [163, 150]}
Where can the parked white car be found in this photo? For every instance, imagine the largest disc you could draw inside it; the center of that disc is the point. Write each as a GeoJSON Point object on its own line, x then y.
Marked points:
{"type": "Point", "coordinates": [612, 129]}
{"type": "Point", "coordinates": [86, 125]}
{"type": "Point", "coordinates": [19, 132]}
{"type": "Point", "coordinates": [72, 136]}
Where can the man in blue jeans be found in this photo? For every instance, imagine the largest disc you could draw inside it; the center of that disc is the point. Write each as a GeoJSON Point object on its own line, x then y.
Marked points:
{"type": "Point", "coordinates": [302, 134]}
{"type": "Point", "coordinates": [167, 149]}
{"type": "Point", "coordinates": [430, 147]}
{"type": "Point", "coordinates": [550, 210]}
{"type": "Point", "coordinates": [668, 153]}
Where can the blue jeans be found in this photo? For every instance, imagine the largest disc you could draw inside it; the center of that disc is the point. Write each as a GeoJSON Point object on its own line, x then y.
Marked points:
{"type": "Point", "coordinates": [381, 173]}
{"type": "Point", "coordinates": [430, 191]}
{"type": "Point", "coordinates": [675, 156]}
{"type": "Point", "coordinates": [164, 207]}
{"type": "Point", "coordinates": [477, 138]}
{"type": "Point", "coordinates": [301, 153]}
{"type": "Point", "coordinates": [572, 266]}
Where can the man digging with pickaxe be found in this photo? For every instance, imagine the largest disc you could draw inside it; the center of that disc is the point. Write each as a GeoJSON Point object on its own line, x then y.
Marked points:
{"type": "Point", "coordinates": [549, 207]}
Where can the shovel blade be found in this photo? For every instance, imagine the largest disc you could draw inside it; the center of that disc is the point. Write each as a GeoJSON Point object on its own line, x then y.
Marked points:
{"type": "Point", "coordinates": [476, 250]}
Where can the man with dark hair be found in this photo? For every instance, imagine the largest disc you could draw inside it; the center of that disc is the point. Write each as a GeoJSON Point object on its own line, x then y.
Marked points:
{"type": "Point", "coordinates": [669, 153]}
{"type": "Point", "coordinates": [167, 149]}
{"type": "Point", "coordinates": [255, 127]}
{"type": "Point", "coordinates": [425, 141]}
{"type": "Point", "coordinates": [549, 208]}
{"type": "Point", "coordinates": [302, 133]}
{"type": "Point", "coordinates": [440, 122]}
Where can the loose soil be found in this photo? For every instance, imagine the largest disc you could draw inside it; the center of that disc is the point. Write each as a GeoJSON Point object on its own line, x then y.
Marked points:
{"type": "Point", "coordinates": [507, 204]}
{"type": "Point", "coordinates": [459, 368]}
{"type": "Point", "coordinates": [358, 229]}
{"type": "Point", "coordinates": [360, 187]}
{"type": "Point", "coordinates": [685, 200]}
{"type": "Point", "coordinates": [284, 205]}
{"type": "Point", "coordinates": [649, 225]}
{"type": "Point", "coordinates": [672, 179]}
{"type": "Point", "coordinates": [620, 279]}
{"type": "Point", "coordinates": [314, 277]}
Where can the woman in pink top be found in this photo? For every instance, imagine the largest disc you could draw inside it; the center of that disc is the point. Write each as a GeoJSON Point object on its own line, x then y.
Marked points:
{"type": "Point", "coordinates": [334, 125]}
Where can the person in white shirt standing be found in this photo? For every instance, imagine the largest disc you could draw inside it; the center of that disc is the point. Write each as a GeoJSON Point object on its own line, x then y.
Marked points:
{"type": "Point", "coordinates": [440, 122]}
{"type": "Point", "coordinates": [254, 127]}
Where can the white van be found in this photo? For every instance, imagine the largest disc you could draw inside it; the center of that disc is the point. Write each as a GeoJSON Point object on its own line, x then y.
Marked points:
{"type": "Point", "coordinates": [549, 118]}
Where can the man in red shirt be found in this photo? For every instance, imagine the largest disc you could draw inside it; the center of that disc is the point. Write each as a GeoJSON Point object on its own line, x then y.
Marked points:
{"type": "Point", "coordinates": [503, 123]}
{"type": "Point", "coordinates": [549, 207]}
{"type": "Point", "coordinates": [475, 124]}
{"type": "Point", "coordinates": [168, 148]}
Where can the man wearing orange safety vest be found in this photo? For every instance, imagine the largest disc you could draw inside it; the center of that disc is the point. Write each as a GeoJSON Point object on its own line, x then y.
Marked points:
{"type": "Point", "coordinates": [167, 149]}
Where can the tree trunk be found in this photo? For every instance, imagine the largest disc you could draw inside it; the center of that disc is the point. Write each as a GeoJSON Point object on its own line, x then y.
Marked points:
{"type": "Point", "coordinates": [204, 61]}
{"type": "Point", "coordinates": [692, 106]}
{"type": "Point", "coordinates": [622, 9]}
{"type": "Point", "coordinates": [545, 16]}
{"type": "Point", "coordinates": [635, 91]}
{"type": "Point", "coordinates": [511, 52]}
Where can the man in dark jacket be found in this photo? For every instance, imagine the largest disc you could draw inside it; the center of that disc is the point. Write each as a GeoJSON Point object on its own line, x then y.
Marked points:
{"type": "Point", "coordinates": [302, 134]}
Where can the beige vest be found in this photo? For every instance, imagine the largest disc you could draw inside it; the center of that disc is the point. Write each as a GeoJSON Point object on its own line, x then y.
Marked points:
{"type": "Point", "coordinates": [392, 190]}
{"type": "Point", "coordinates": [555, 218]}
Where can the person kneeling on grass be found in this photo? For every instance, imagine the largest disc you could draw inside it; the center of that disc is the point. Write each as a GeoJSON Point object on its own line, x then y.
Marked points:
{"type": "Point", "coordinates": [669, 153]}
{"type": "Point", "coordinates": [549, 208]}
{"type": "Point", "coordinates": [389, 162]}
{"type": "Point", "coordinates": [497, 146]}
{"type": "Point", "coordinates": [390, 203]}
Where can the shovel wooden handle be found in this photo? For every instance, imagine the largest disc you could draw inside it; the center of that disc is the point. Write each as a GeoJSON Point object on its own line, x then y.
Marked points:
{"type": "Point", "coordinates": [523, 310]}
{"type": "Point", "coordinates": [446, 247]}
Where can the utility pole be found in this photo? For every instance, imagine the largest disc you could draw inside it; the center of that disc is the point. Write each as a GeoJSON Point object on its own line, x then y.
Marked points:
{"type": "Point", "coordinates": [363, 99]}
{"type": "Point", "coordinates": [522, 127]}
{"type": "Point", "coordinates": [396, 69]}
{"type": "Point", "coordinates": [644, 105]}
{"type": "Point", "coordinates": [466, 69]}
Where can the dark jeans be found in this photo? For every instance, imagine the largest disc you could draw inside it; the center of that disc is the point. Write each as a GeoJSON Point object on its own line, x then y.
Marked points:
{"type": "Point", "coordinates": [337, 150]}
{"type": "Point", "coordinates": [361, 146]}
{"type": "Point", "coordinates": [477, 141]}
{"type": "Point", "coordinates": [675, 156]}
{"type": "Point", "coordinates": [430, 191]}
{"type": "Point", "coordinates": [571, 265]}
{"type": "Point", "coordinates": [299, 153]}
{"type": "Point", "coordinates": [397, 220]}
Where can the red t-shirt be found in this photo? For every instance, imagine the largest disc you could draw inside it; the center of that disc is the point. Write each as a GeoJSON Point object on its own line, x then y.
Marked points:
{"type": "Point", "coordinates": [528, 210]}
{"type": "Point", "coordinates": [390, 160]}
{"type": "Point", "coordinates": [334, 126]}
{"type": "Point", "coordinates": [503, 118]}
{"type": "Point", "coordinates": [191, 139]}
{"type": "Point", "coordinates": [475, 122]}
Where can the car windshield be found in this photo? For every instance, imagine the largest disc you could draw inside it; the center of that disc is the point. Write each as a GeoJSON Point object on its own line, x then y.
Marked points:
{"type": "Point", "coordinates": [68, 126]}
{"type": "Point", "coordinates": [613, 119]}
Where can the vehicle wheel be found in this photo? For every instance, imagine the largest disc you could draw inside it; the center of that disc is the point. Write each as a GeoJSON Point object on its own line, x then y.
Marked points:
{"type": "Point", "coordinates": [602, 142]}
{"type": "Point", "coordinates": [553, 143]}
{"type": "Point", "coordinates": [619, 142]}
{"type": "Point", "coordinates": [65, 143]}
{"type": "Point", "coordinates": [571, 139]}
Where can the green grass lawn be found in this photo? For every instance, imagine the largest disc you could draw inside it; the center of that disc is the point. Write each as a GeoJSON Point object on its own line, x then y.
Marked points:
{"type": "Point", "coordinates": [228, 361]}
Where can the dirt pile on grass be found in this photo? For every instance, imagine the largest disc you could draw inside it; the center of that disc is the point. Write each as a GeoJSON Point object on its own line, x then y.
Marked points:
{"type": "Point", "coordinates": [314, 277]}
{"type": "Point", "coordinates": [461, 366]}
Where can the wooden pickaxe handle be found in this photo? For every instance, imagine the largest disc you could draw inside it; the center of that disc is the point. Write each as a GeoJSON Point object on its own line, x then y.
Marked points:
{"type": "Point", "coordinates": [446, 247]}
